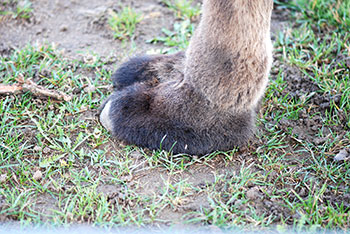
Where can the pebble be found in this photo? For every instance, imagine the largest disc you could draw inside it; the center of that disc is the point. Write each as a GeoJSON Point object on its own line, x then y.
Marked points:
{"type": "Point", "coordinates": [46, 150]}
{"type": "Point", "coordinates": [64, 28]}
{"type": "Point", "coordinates": [37, 175]}
{"type": "Point", "coordinates": [342, 155]}
{"type": "Point", "coordinates": [90, 89]}
{"type": "Point", "coordinates": [320, 141]}
{"type": "Point", "coordinates": [38, 149]}
{"type": "Point", "coordinates": [152, 15]}
{"type": "Point", "coordinates": [3, 178]}
{"type": "Point", "coordinates": [253, 193]}
{"type": "Point", "coordinates": [136, 155]}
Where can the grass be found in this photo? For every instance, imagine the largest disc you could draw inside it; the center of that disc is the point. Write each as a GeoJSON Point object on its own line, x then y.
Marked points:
{"type": "Point", "coordinates": [176, 40]}
{"type": "Point", "coordinates": [58, 166]}
{"type": "Point", "coordinates": [123, 23]}
{"type": "Point", "coordinates": [323, 13]}
{"type": "Point", "coordinates": [322, 60]}
{"type": "Point", "coordinates": [183, 9]}
{"type": "Point", "coordinates": [16, 9]}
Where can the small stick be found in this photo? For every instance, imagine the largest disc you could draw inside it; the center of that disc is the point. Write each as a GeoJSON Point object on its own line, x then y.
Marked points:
{"type": "Point", "coordinates": [10, 89]}
{"type": "Point", "coordinates": [36, 90]}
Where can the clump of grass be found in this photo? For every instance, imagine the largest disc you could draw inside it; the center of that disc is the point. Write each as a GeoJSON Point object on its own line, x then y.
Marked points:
{"type": "Point", "coordinates": [183, 9]}
{"type": "Point", "coordinates": [41, 62]}
{"type": "Point", "coordinates": [322, 13]}
{"type": "Point", "coordinates": [24, 10]}
{"type": "Point", "coordinates": [16, 9]}
{"type": "Point", "coordinates": [124, 23]}
{"type": "Point", "coordinates": [226, 197]}
{"type": "Point", "coordinates": [322, 59]}
{"type": "Point", "coordinates": [176, 40]}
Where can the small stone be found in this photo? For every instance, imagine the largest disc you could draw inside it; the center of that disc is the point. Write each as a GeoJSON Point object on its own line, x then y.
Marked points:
{"type": "Point", "coordinates": [69, 216]}
{"type": "Point", "coordinates": [342, 155]}
{"type": "Point", "coordinates": [46, 150]}
{"type": "Point", "coordinates": [3, 178]}
{"type": "Point", "coordinates": [253, 193]}
{"type": "Point", "coordinates": [131, 203]}
{"type": "Point", "coordinates": [136, 155]}
{"type": "Point", "coordinates": [63, 28]}
{"type": "Point", "coordinates": [314, 128]}
{"type": "Point", "coordinates": [89, 59]}
{"type": "Point", "coordinates": [90, 89]}
{"type": "Point", "coordinates": [153, 15]}
{"type": "Point", "coordinates": [303, 192]}
{"type": "Point", "coordinates": [127, 178]}
{"type": "Point", "coordinates": [38, 148]}
{"type": "Point", "coordinates": [325, 105]}
{"type": "Point", "coordinates": [320, 141]}
{"type": "Point", "coordinates": [37, 175]}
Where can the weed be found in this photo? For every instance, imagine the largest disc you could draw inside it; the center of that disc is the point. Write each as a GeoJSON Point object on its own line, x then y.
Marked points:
{"type": "Point", "coordinates": [176, 40]}
{"type": "Point", "coordinates": [183, 9]}
{"type": "Point", "coordinates": [322, 13]}
{"type": "Point", "coordinates": [124, 23]}
{"type": "Point", "coordinates": [17, 9]}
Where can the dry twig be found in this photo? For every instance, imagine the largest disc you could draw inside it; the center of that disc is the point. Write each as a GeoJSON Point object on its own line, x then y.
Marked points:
{"type": "Point", "coordinates": [36, 90]}
{"type": "Point", "coordinates": [10, 89]}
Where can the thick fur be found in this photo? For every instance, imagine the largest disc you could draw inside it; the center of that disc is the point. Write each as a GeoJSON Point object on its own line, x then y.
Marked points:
{"type": "Point", "coordinates": [148, 69]}
{"type": "Point", "coordinates": [202, 100]}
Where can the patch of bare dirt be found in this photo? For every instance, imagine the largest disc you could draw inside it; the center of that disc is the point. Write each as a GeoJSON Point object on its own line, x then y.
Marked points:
{"type": "Point", "coordinates": [81, 26]}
